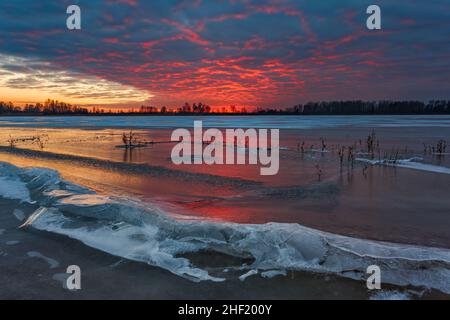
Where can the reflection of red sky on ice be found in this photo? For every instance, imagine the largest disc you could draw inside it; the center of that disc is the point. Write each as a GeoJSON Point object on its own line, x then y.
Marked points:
{"type": "Point", "coordinates": [217, 212]}
{"type": "Point", "coordinates": [373, 206]}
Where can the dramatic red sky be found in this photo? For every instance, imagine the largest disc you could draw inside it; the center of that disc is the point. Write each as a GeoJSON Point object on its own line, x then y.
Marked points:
{"type": "Point", "coordinates": [242, 52]}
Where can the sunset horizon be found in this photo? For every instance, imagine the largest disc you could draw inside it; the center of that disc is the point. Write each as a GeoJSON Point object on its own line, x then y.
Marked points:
{"type": "Point", "coordinates": [243, 53]}
{"type": "Point", "coordinates": [224, 155]}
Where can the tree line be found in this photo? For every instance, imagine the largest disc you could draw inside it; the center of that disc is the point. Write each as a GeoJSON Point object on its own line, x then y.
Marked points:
{"type": "Point", "coordinates": [372, 107]}
{"type": "Point", "coordinates": [54, 107]}
{"type": "Point", "coordinates": [47, 108]}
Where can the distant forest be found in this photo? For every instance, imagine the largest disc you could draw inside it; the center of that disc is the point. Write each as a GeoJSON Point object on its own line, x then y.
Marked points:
{"type": "Point", "coordinates": [52, 107]}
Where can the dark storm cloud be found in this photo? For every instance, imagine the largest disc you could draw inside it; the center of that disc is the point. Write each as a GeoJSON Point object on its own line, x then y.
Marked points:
{"type": "Point", "coordinates": [271, 52]}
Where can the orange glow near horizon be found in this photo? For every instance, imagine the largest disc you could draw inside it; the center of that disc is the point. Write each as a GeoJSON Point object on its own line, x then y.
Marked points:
{"type": "Point", "coordinates": [35, 86]}
{"type": "Point", "coordinates": [33, 81]}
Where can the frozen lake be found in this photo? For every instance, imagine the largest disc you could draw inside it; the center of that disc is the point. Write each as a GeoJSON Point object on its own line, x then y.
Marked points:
{"type": "Point", "coordinates": [276, 122]}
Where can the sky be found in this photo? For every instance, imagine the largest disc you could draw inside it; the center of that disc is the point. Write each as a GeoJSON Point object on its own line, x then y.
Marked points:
{"type": "Point", "coordinates": [267, 53]}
